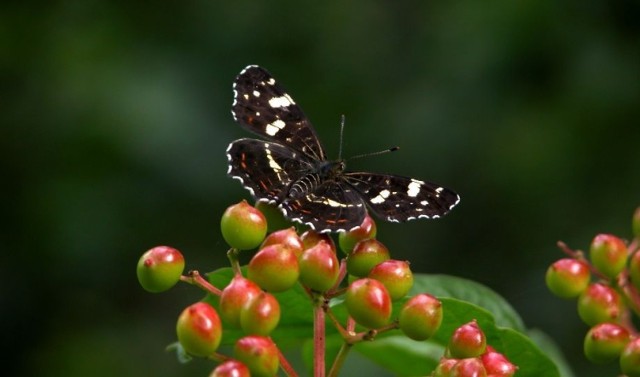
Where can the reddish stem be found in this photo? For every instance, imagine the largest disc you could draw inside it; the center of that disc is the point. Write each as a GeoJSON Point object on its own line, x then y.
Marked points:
{"type": "Point", "coordinates": [284, 363]}
{"type": "Point", "coordinates": [319, 340]}
{"type": "Point", "coordinates": [196, 279]}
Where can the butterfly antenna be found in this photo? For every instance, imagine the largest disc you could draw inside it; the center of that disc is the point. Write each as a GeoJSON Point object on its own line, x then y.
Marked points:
{"type": "Point", "coordinates": [393, 149]}
{"type": "Point", "coordinates": [341, 137]}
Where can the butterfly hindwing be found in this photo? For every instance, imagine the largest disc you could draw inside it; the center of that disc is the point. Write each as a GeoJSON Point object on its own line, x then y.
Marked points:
{"type": "Point", "coordinates": [396, 198]}
{"type": "Point", "coordinates": [263, 107]}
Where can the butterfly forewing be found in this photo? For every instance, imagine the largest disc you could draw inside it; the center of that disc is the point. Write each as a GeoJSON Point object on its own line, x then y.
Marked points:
{"type": "Point", "coordinates": [397, 198]}
{"type": "Point", "coordinates": [263, 107]}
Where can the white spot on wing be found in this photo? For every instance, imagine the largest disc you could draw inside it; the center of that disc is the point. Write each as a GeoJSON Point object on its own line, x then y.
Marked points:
{"type": "Point", "coordinates": [283, 101]}
{"type": "Point", "coordinates": [384, 194]}
{"type": "Point", "coordinates": [272, 128]}
{"type": "Point", "coordinates": [414, 188]}
{"type": "Point", "coordinates": [256, 93]}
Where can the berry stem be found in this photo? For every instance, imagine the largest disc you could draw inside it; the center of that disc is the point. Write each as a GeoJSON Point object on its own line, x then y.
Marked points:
{"type": "Point", "coordinates": [196, 279]}
{"type": "Point", "coordinates": [233, 255]}
{"type": "Point", "coordinates": [284, 363]}
{"type": "Point", "coordinates": [338, 362]}
{"type": "Point", "coordinates": [319, 340]}
{"type": "Point", "coordinates": [579, 255]}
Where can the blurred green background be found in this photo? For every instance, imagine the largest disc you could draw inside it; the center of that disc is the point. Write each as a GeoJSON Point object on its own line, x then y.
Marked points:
{"type": "Point", "coordinates": [116, 115]}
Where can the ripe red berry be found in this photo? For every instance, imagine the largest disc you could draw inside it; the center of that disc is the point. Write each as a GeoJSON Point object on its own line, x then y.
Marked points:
{"type": "Point", "coordinates": [319, 267]}
{"type": "Point", "coordinates": [496, 364]}
{"type": "Point", "coordinates": [470, 367]}
{"type": "Point", "coordinates": [259, 354]}
{"type": "Point", "coordinates": [160, 268]}
{"type": "Point", "coordinates": [567, 277]}
{"type": "Point", "coordinates": [368, 303]}
{"type": "Point", "coordinates": [420, 317]}
{"type": "Point", "coordinates": [199, 329]}
{"type": "Point", "coordinates": [395, 275]}
{"type": "Point", "coordinates": [243, 226]}
{"type": "Point", "coordinates": [231, 368]}
{"type": "Point", "coordinates": [604, 342]}
{"type": "Point", "coordinates": [444, 368]}
{"type": "Point", "coordinates": [235, 297]}
{"type": "Point", "coordinates": [599, 303]}
{"type": "Point", "coordinates": [608, 254]}
{"type": "Point", "coordinates": [348, 240]}
{"type": "Point", "coordinates": [274, 268]}
{"type": "Point", "coordinates": [630, 358]}
{"type": "Point", "coordinates": [365, 256]}
{"type": "Point", "coordinates": [467, 341]}
{"type": "Point", "coordinates": [261, 315]}
{"type": "Point", "coordinates": [286, 237]}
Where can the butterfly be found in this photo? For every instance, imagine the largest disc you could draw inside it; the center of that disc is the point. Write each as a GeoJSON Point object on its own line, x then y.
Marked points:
{"type": "Point", "coordinates": [289, 167]}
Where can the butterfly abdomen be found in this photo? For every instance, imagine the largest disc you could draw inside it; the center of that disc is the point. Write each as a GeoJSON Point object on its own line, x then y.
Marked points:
{"type": "Point", "coordinates": [304, 185]}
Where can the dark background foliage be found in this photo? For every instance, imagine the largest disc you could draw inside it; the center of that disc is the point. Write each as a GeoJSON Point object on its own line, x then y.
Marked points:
{"type": "Point", "coordinates": [115, 118]}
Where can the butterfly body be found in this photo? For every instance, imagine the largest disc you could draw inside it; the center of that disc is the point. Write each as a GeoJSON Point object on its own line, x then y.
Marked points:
{"type": "Point", "coordinates": [289, 168]}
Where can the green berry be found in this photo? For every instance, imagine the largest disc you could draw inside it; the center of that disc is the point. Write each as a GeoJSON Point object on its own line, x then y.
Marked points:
{"type": "Point", "coordinates": [599, 303]}
{"type": "Point", "coordinates": [368, 303]}
{"type": "Point", "coordinates": [604, 342]}
{"type": "Point", "coordinates": [420, 317]}
{"type": "Point", "coordinates": [630, 358]}
{"type": "Point", "coordinates": [261, 315]}
{"type": "Point", "coordinates": [199, 329]}
{"type": "Point", "coordinates": [274, 216]}
{"type": "Point", "coordinates": [160, 268]}
{"type": "Point", "coordinates": [243, 226]}
{"type": "Point", "coordinates": [348, 240]}
{"type": "Point", "coordinates": [365, 256]}
{"type": "Point", "coordinates": [396, 277]}
{"type": "Point", "coordinates": [608, 254]}
{"type": "Point", "coordinates": [567, 278]}
{"type": "Point", "coordinates": [319, 267]}
{"type": "Point", "coordinates": [467, 341]}
{"type": "Point", "coordinates": [258, 353]}
{"type": "Point", "coordinates": [634, 269]}
{"type": "Point", "coordinates": [274, 268]}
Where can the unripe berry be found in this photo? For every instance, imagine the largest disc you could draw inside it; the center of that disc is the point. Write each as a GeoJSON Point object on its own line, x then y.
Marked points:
{"type": "Point", "coordinates": [630, 358]}
{"type": "Point", "coordinates": [608, 254]}
{"type": "Point", "coordinates": [496, 364]}
{"type": "Point", "coordinates": [604, 342]}
{"type": "Point", "coordinates": [235, 297]}
{"type": "Point", "coordinates": [599, 303]}
{"type": "Point", "coordinates": [368, 303]}
{"type": "Point", "coordinates": [470, 367]}
{"type": "Point", "coordinates": [243, 226]}
{"type": "Point", "coordinates": [365, 256]}
{"type": "Point", "coordinates": [286, 237]}
{"type": "Point", "coordinates": [567, 277]}
{"type": "Point", "coordinates": [310, 238]}
{"type": "Point", "coordinates": [231, 368]}
{"type": "Point", "coordinates": [259, 354]}
{"type": "Point", "coordinates": [348, 240]}
{"type": "Point", "coordinates": [160, 268]}
{"type": "Point", "coordinates": [199, 329]}
{"type": "Point", "coordinates": [634, 269]}
{"type": "Point", "coordinates": [319, 267]}
{"type": "Point", "coordinates": [467, 341]}
{"type": "Point", "coordinates": [274, 268]}
{"type": "Point", "coordinates": [275, 217]}
{"type": "Point", "coordinates": [261, 315]}
{"type": "Point", "coordinates": [395, 275]}
{"type": "Point", "coordinates": [420, 317]}
{"type": "Point", "coordinates": [444, 368]}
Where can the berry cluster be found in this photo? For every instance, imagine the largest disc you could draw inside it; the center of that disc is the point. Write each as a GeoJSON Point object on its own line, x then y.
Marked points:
{"type": "Point", "coordinates": [607, 287]}
{"type": "Point", "coordinates": [367, 281]}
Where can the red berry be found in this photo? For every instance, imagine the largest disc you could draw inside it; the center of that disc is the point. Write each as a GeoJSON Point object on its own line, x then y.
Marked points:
{"type": "Point", "coordinates": [630, 358]}
{"type": "Point", "coordinates": [365, 256]}
{"type": "Point", "coordinates": [286, 237]}
{"type": "Point", "coordinates": [396, 277]}
{"type": "Point", "coordinates": [599, 303]}
{"type": "Point", "coordinates": [604, 342]}
{"type": "Point", "coordinates": [420, 317]}
{"type": "Point", "coordinates": [467, 341]}
{"type": "Point", "coordinates": [261, 315]}
{"type": "Point", "coordinates": [259, 354]}
{"type": "Point", "coordinates": [199, 329]}
{"type": "Point", "coordinates": [160, 268]}
{"type": "Point", "coordinates": [568, 277]}
{"type": "Point", "coordinates": [243, 226]}
{"type": "Point", "coordinates": [444, 368]}
{"type": "Point", "coordinates": [231, 368]}
{"type": "Point", "coordinates": [310, 238]}
{"type": "Point", "coordinates": [368, 303]}
{"type": "Point", "coordinates": [470, 367]}
{"type": "Point", "coordinates": [274, 268]}
{"type": "Point", "coordinates": [235, 297]}
{"type": "Point", "coordinates": [319, 267]}
{"type": "Point", "coordinates": [348, 240]}
{"type": "Point", "coordinates": [608, 254]}
{"type": "Point", "coordinates": [496, 364]}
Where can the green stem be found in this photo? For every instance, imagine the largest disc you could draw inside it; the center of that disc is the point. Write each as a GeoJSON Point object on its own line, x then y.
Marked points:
{"type": "Point", "coordinates": [340, 359]}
